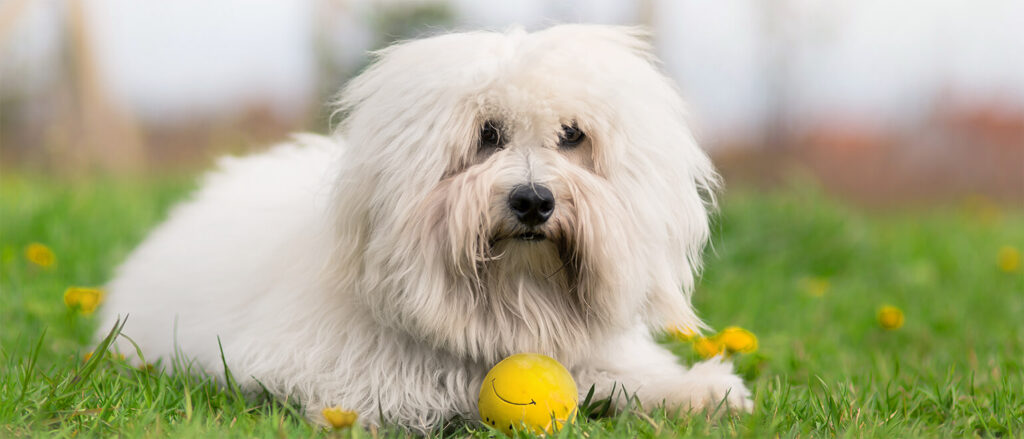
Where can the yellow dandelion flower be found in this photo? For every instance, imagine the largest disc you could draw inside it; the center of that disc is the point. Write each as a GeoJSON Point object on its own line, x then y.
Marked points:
{"type": "Point", "coordinates": [681, 333]}
{"type": "Point", "coordinates": [1008, 259]}
{"type": "Point", "coordinates": [40, 254]}
{"type": "Point", "coordinates": [707, 347]}
{"type": "Point", "coordinates": [890, 317]}
{"type": "Point", "coordinates": [736, 339]}
{"type": "Point", "coordinates": [84, 300]}
{"type": "Point", "coordinates": [339, 418]}
{"type": "Point", "coordinates": [815, 286]}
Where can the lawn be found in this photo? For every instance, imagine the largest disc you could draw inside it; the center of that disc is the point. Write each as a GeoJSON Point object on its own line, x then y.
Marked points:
{"type": "Point", "coordinates": [803, 272]}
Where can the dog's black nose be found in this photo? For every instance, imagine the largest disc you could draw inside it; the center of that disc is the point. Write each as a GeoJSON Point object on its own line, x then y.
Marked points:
{"type": "Point", "coordinates": [532, 204]}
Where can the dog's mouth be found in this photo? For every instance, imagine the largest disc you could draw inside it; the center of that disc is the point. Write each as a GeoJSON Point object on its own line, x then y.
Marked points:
{"type": "Point", "coordinates": [530, 236]}
{"type": "Point", "coordinates": [534, 236]}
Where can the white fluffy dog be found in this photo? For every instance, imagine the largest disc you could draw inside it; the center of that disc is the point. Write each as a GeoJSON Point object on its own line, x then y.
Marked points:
{"type": "Point", "coordinates": [487, 194]}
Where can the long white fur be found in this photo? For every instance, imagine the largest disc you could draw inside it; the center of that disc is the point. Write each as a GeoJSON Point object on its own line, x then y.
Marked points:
{"type": "Point", "coordinates": [369, 269]}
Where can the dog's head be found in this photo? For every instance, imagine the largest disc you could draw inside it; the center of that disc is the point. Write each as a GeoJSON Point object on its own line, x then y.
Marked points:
{"type": "Point", "coordinates": [507, 192]}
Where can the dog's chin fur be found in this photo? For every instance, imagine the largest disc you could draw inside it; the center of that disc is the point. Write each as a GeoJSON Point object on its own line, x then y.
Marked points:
{"type": "Point", "coordinates": [381, 269]}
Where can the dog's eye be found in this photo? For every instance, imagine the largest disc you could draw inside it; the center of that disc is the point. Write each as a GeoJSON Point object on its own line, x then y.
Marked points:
{"type": "Point", "coordinates": [490, 135]}
{"type": "Point", "coordinates": [571, 136]}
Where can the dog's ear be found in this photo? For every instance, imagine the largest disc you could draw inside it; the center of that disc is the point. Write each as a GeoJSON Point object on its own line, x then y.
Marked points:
{"type": "Point", "coordinates": [411, 105]}
{"type": "Point", "coordinates": [414, 79]}
{"type": "Point", "coordinates": [689, 205]}
{"type": "Point", "coordinates": [650, 152]}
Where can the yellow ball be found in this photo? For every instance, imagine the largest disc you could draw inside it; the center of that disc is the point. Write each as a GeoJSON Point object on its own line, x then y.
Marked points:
{"type": "Point", "coordinates": [528, 392]}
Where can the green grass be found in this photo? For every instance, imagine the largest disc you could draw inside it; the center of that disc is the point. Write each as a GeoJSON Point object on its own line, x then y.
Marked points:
{"type": "Point", "coordinates": [824, 367]}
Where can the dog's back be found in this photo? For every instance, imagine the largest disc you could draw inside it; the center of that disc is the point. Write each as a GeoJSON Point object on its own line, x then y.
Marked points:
{"type": "Point", "coordinates": [256, 226]}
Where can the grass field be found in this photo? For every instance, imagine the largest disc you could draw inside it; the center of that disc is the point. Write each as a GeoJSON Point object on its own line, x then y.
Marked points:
{"type": "Point", "coordinates": [807, 275]}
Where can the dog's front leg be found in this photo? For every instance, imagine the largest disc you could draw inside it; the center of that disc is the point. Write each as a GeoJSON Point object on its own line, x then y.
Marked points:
{"type": "Point", "coordinates": [636, 364]}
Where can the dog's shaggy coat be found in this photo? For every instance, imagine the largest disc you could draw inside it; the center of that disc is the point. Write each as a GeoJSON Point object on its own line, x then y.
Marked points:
{"type": "Point", "coordinates": [381, 269]}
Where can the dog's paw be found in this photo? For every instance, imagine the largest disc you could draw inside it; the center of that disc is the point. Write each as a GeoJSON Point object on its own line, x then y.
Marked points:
{"type": "Point", "coordinates": [712, 386]}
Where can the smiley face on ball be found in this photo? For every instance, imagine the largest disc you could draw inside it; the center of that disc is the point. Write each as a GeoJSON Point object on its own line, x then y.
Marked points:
{"type": "Point", "coordinates": [529, 392]}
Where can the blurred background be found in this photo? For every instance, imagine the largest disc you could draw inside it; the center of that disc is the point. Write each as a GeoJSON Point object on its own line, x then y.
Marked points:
{"type": "Point", "coordinates": [917, 101]}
